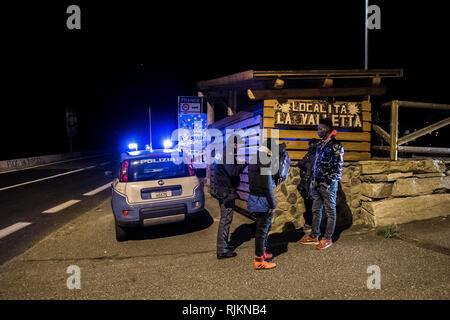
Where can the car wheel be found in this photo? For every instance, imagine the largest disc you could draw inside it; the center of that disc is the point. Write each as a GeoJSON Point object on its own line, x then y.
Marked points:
{"type": "Point", "coordinates": [121, 233]}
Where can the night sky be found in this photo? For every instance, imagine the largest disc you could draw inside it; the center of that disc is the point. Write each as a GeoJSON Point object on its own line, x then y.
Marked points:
{"type": "Point", "coordinates": [129, 56]}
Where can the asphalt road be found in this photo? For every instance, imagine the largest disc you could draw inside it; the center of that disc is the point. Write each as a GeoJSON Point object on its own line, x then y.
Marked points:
{"type": "Point", "coordinates": [178, 261]}
{"type": "Point", "coordinates": [26, 195]}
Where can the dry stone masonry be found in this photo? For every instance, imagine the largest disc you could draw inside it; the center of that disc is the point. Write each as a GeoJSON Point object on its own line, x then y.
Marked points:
{"type": "Point", "coordinates": [378, 193]}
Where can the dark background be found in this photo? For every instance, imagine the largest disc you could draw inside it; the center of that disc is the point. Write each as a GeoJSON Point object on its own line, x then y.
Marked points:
{"type": "Point", "coordinates": [132, 55]}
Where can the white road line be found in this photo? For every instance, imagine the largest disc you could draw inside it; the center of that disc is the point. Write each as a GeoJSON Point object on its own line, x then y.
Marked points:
{"type": "Point", "coordinates": [49, 164]}
{"type": "Point", "coordinates": [99, 189]}
{"type": "Point", "coordinates": [15, 227]}
{"type": "Point", "coordinates": [46, 178]}
{"type": "Point", "coordinates": [61, 206]}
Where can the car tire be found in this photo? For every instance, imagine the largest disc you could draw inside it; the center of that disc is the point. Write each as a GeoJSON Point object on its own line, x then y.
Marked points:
{"type": "Point", "coordinates": [121, 233]}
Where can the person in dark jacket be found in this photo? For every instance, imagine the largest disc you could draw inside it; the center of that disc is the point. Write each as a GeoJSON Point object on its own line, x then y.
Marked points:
{"type": "Point", "coordinates": [227, 179]}
{"type": "Point", "coordinates": [261, 202]}
{"type": "Point", "coordinates": [326, 173]}
{"type": "Point", "coordinates": [306, 166]}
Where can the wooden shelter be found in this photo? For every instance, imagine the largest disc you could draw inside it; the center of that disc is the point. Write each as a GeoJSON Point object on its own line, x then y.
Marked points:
{"type": "Point", "coordinates": [291, 103]}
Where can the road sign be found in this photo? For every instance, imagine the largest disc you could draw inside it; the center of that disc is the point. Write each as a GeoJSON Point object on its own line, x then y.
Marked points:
{"type": "Point", "coordinates": [71, 122]}
{"type": "Point", "coordinates": [190, 105]}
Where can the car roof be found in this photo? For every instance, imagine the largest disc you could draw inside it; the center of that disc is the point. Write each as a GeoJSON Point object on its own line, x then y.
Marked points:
{"type": "Point", "coordinates": [129, 155]}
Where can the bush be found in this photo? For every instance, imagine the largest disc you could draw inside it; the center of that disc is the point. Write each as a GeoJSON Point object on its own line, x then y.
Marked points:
{"type": "Point", "coordinates": [388, 231]}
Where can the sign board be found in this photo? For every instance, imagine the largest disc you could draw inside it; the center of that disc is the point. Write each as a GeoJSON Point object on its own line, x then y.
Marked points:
{"type": "Point", "coordinates": [71, 122]}
{"type": "Point", "coordinates": [306, 114]}
{"type": "Point", "coordinates": [190, 105]}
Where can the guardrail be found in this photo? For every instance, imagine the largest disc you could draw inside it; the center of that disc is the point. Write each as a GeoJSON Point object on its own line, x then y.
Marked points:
{"type": "Point", "coordinates": [23, 163]}
{"type": "Point", "coordinates": [396, 143]}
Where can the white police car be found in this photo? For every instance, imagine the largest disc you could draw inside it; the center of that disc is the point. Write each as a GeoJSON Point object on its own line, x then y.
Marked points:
{"type": "Point", "coordinates": [151, 189]}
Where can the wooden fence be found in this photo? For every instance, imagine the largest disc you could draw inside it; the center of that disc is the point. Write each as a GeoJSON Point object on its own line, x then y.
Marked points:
{"type": "Point", "coordinates": [396, 143]}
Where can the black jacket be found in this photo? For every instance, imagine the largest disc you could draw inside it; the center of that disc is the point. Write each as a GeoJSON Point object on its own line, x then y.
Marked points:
{"type": "Point", "coordinates": [329, 162]}
{"type": "Point", "coordinates": [261, 185]}
{"type": "Point", "coordinates": [306, 166]}
{"type": "Point", "coordinates": [227, 177]}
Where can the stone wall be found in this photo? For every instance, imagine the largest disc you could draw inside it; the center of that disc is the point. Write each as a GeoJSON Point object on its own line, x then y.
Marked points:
{"type": "Point", "coordinates": [377, 192]}
{"type": "Point", "coordinates": [404, 191]}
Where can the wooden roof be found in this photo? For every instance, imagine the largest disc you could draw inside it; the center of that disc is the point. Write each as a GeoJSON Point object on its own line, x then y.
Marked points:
{"type": "Point", "coordinates": [300, 83]}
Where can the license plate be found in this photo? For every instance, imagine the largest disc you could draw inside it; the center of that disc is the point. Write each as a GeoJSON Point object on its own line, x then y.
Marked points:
{"type": "Point", "coordinates": [162, 194]}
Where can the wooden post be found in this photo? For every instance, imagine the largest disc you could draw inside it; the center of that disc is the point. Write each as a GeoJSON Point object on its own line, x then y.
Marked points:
{"type": "Point", "coordinates": [394, 130]}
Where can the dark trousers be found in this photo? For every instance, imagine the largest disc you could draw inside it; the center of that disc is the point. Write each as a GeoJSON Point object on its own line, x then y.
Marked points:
{"type": "Point", "coordinates": [324, 198]}
{"type": "Point", "coordinates": [263, 226]}
{"type": "Point", "coordinates": [226, 217]}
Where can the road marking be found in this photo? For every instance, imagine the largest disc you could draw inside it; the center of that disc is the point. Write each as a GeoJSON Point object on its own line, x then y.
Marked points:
{"type": "Point", "coordinates": [15, 227]}
{"type": "Point", "coordinates": [46, 178]}
{"type": "Point", "coordinates": [61, 206]}
{"type": "Point", "coordinates": [105, 163]}
{"type": "Point", "coordinates": [99, 189]}
{"type": "Point", "coordinates": [50, 163]}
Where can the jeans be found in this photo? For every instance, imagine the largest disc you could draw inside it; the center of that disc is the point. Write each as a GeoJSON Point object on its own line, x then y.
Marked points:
{"type": "Point", "coordinates": [263, 226]}
{"type": "Point", "coordinates": [226, 217]}
{"type": "Point", "coordinates": [323, 197]}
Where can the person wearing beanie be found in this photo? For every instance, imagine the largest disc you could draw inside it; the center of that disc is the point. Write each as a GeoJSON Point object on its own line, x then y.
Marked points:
{"type": "Point", "coordinates": [326, 173]}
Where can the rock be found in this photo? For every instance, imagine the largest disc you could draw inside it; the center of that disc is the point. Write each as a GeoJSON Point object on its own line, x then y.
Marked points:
{"type": "Point", "coordinates": [428, 175]}
{"type": "Point", "coordinates": [447, 172]}
{"type": "Point", "coordinates": [376, 190]}
{"type": "Point", "coordinates": [292, 198]}
{"type": "Point", "coordinates": [374, 178]}
{"type": "Point", "coordinates": [355, 203]}
{"type": "Point", "coordinates": [345, 178]}
{"type": "Point", "coordinates": [355, 189]}
{"type": "Point", "coordinates": [374, 166]}
{"type": "Point", "coordinates": [283, 206]}
{"type": "Point", "coordinates": [293, 211]}
{"type": "Point", "coordinates": [416, 166]}
{"type": "Point", "coordinates": [291, 189]}
{"type": "Point", "coordinates": [284, 189]}
{"type": "Point", "coordinates": [397, 175]}
{"type": "Point", "coordinates": [364, 198]}
{"type": "Point", "coordinates": [403, 210]}
{"type": "Point", "coordinates": [277, 213]}
{"type": "Point", "coordinates": [368, 218]}
{"type": "Point", "coordinates": [416, 186]}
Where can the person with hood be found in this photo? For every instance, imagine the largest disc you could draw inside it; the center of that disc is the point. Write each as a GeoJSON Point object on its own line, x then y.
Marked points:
{"type": "Point", "coordinates": [326, 173]}
{"type": "Point", "coordinates": [262, 203]}
{"type": "Point", "coordinates": [227, 179]}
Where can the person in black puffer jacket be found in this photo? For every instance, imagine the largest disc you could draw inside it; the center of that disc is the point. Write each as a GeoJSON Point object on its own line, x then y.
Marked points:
{"type": "Point", "coordinates": [326, 173]}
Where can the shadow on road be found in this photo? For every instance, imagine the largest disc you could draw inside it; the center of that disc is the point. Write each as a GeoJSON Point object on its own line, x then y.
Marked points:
{"type": "Point", "coordinates": [193, 224]}
{"type": "Point", "coordinates": [278, 242]}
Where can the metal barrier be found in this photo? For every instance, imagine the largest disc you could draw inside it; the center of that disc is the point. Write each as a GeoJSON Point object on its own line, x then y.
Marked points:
{"type": "Point", "coordinates": [396, 143]}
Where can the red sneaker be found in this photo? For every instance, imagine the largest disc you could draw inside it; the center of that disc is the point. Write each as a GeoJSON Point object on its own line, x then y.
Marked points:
{"type": "Point", "coordinates": [308, 240]}
{"type": "Point", "coordinates": [267, 255]}
{"type": "Point", "coordinates": [324, 243]}
{"type": "Point", "coordinates": [261, 264]}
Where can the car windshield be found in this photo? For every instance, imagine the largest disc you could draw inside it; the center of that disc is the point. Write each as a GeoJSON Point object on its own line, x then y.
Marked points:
{"type": "Point", "coordinates": [155, 168]}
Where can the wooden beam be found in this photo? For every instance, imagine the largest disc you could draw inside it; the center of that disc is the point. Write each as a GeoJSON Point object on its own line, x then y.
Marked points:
{"type": "Point", "coordinates": [394, 130]}
{"type": "Point", "coordinates": [313, 93]}
{"type": "Point", "coordinates": [386, 137]}
{"type": "Point", "coordinates": [418, 105]}
{"type": "Point", "coordinates": [327, 83]}
{"type": "Point", "coordinates": [424, 131]}
{"type": "Point", "coordinates": [410, 149]}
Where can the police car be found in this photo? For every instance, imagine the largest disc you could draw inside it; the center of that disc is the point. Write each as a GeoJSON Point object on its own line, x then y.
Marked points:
{"type": "Point", "coordinates": [152, 188]}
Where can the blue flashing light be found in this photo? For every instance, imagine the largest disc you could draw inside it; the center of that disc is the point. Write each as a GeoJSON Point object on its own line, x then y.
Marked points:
{"type": "Point", "coordinates": [132, 146]}
{"type": "Point", "coordinates": [167, 144]}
